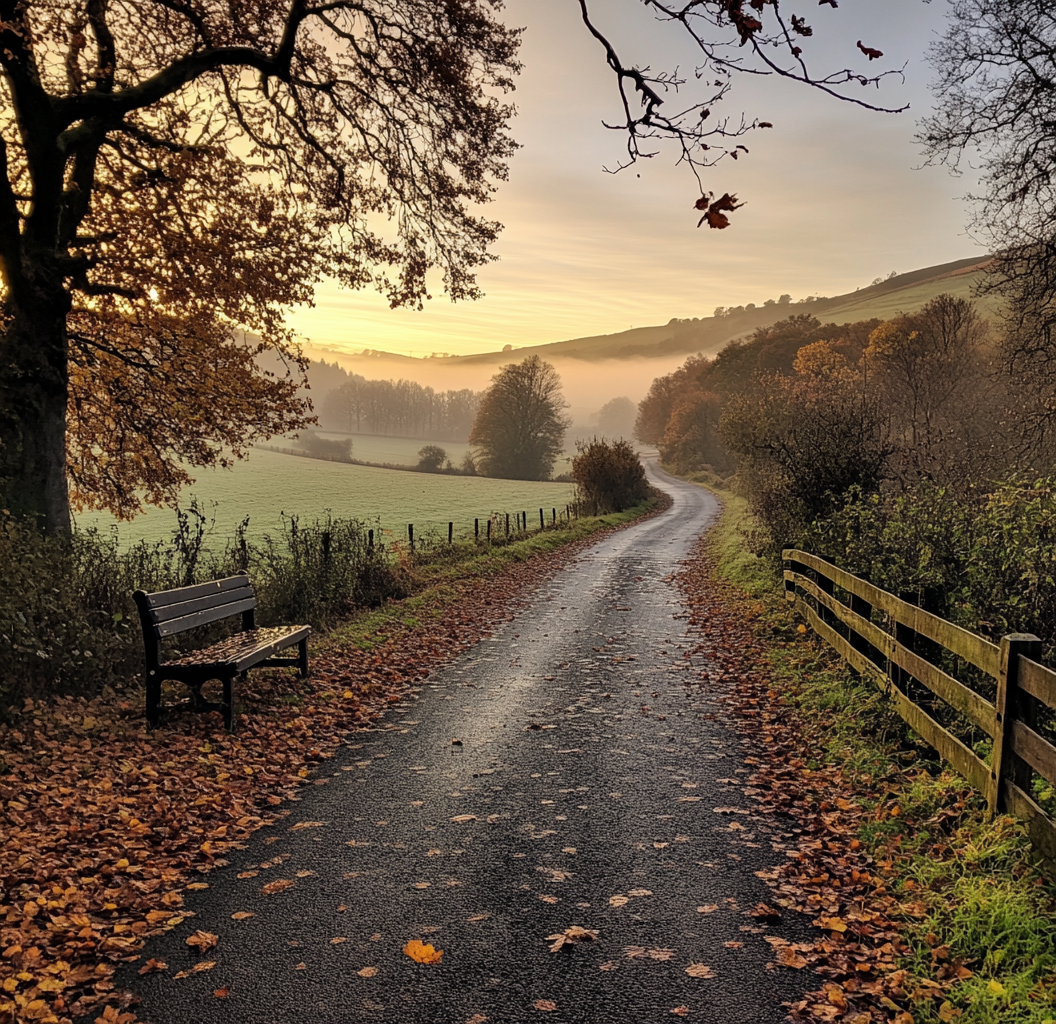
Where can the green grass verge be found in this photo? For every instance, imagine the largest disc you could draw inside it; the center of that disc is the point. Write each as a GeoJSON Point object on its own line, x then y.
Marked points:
{"type": "Point", "coordinates": [440, 571]}
{"type": "Point", "coordinates": [966, 884]}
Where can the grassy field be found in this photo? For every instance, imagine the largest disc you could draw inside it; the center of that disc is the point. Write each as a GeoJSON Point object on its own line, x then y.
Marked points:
{"type": "Point", "coordinates": [269, 484]}
{"type": "Point", "coordinates": [400, 451]}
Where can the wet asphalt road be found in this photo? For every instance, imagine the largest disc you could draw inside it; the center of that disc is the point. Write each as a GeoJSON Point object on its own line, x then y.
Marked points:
{"type": "Point", "coordinates": [583, 793]}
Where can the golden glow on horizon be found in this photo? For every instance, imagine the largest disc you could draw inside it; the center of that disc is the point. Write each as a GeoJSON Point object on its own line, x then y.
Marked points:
{"type": "Point", "coordinates": [833, 201]}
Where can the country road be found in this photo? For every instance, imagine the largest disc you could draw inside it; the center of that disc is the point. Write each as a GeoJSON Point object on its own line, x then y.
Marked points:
{"type": "Point", "coordinates": [593, 783]}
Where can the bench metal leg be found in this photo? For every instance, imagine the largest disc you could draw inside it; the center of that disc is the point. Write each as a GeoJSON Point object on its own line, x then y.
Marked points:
{"type": "Point", "coordinates": [153, 701]}
{"type": "Point", "coordinates": [229, 703]}
{"type": "Point", "coordinates": [302, 657]}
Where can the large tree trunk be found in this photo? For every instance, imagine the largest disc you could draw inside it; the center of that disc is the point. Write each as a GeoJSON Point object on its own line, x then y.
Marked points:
{"type": "Point", "coordinates": [34, 379]}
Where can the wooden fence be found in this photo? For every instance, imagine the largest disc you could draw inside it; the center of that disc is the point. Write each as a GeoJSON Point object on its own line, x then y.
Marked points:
{"type": "Point", "coordinates": [914, 656]}
{"type": "Point", "coordinates": [521, 528]}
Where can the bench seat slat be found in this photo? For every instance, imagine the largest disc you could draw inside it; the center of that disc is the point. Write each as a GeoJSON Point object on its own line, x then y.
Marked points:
{"type": "Point", "coordinates": [163, 598]}
{"type": "Point", "coordinates": [210, 601]}
{"type": "Point", "coordinates": [243, 650]}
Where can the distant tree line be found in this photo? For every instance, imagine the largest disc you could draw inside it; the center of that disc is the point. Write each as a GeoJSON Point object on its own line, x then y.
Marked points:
{"type": "Point", "coordinates": [401, 408]}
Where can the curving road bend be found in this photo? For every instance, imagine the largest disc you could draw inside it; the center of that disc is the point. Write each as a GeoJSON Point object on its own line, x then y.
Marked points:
{"type": "Point", "coordinates": [583, 793]}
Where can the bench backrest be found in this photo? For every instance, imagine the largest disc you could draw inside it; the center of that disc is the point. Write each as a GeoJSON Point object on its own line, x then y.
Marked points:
{"type": "Point", "coordinates": [168, 612]}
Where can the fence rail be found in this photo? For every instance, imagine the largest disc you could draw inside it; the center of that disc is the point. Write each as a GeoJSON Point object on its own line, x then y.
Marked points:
{"type": "Point", "coordinates": [903, 648]}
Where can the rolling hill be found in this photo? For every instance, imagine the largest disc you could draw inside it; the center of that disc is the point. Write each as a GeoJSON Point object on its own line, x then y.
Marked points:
{"type": "Point", "coordinates": [903, 293]}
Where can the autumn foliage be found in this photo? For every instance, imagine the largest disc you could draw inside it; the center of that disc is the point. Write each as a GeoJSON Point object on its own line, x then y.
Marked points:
{"type": "Point", "coordinates": [177, 177]}
{"type": "Point", "coordinates": [609, 476]}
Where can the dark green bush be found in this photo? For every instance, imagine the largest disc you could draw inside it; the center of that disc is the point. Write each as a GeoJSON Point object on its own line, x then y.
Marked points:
{"type": "Point", "coordinates": [986, 559]}
{"type": "Point", "coordinates": [609, 476]}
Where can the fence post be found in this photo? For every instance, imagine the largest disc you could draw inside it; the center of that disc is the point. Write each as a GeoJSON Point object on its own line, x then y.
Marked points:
{"type": "Point", "coordinates": [450, 532]}
{"type": "Point", "coordinates": [907, 637]}
{"type": "Point", "coordinates": [542, 524]}
{"type": "Point", "coordinates": [370, 540]}
{"type": "Point", "coordinates": [790, 586]}
{"type": "Point", "coordinates": [826, 586]}
{"type": "Point", "coordinates": [507, 524]}
{"type": "Point", "coordinates": [553, 512]}
{"type": "Point", "coordinates": [860, 606]}
{"type": "Point", "coordinates": [489, 531]}
{"type": "Point", "coordinates": [524, 517]}
{"type": "Point", "coordinates": [1011, 704]}
{"type": "Point", "coordinates": [476, 530]}
{"type": "Point", "coordinates": [410, 534]}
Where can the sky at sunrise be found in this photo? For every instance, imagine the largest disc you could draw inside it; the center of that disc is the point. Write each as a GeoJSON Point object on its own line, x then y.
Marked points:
{"type": "Point", "coordinates": [836, 195]}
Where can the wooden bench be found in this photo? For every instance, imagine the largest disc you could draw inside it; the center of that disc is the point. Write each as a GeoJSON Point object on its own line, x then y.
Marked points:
{"type": "Point", "coordinates": [169, 612]}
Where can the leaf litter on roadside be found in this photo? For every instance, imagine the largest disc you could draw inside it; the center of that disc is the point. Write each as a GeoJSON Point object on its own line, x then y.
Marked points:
{"type": "Point", "coordinates": [826, 873]}
{"type": "Point", "coordinates": [74, 767]}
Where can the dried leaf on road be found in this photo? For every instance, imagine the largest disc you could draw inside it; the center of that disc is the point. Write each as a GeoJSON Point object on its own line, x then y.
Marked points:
{"type": "Point", "coordinates": [788, 957]}
{"type": "Point", "coordinates": [699, 971]}
{"type": "Point", "coordinates": [570, 936]}
{"type": "Point", "coordinates": [367, 972]}
{"type": "Point", "coordinates": [279, 885]}
{"type": "Point", "coordinates": [423, 953]}
{"type": "Point", "coordinates": [545, 1004]}
{"type": "Point", "coordinates": [764, 912]}
{"type": "Point", "coordinates": [202, 940]}
{"type": "Point", "coordinates": [153, 965]}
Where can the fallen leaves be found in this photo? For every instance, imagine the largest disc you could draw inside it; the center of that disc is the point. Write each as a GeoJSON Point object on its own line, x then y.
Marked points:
{"type": "Point", "coordinates": [279, 885]}
{"type": "Point", "coordinates": [788, 957]}
{"type": "Point", "coordinates": [198, 968]}
{"type": "Point", "coordinates": [306, 824]}
{"type": "Point", "coordinates": [163, 808]}
{"type": "Point", "coordinates": [635, 952]}
{"type": "Point", "coordinates": [545, 1004]}
{"type": "Point", "coordinates": [571, 936]}
{"type": "Point", "coordinates": [824, 872]}
{"type": "Point", "coordinates": [423, 953]}
{"type": "Point", "coordinates": [462, 819]}
{"type": "Point", "coordinates": [700, 971]}
{"type": "Point", "coordinates": [618, 901]}
{"type": "Point", "coordinates": [242, 915]}
{"type": "Point", "coordinates": [202, 940]}
{"type": "Point", "coordinates": [764, 912]}
{"type": "Point", "coordinates": [153, 965]}
{"type": "Point", "coordinates": [367, 972]}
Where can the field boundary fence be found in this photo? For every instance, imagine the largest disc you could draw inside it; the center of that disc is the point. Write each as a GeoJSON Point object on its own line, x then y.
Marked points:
{"type": "Point", "coordinates": [958, 691]}
{"type": "Point", "coordinates": [486, 530]}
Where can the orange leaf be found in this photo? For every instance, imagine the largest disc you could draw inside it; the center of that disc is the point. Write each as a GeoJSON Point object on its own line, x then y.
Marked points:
{"type": "Point", "coordinates": [699, 971]}
{"type": "Point", "coordinates": [423, 953]}
{"type": "Point", "coordinates": [545, 1004]}
{"type": "Point", "coordinates": [277, 886]}
{"type": "Point", "coordinates": [203, 940]}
